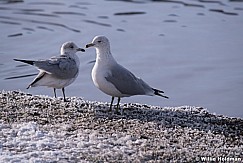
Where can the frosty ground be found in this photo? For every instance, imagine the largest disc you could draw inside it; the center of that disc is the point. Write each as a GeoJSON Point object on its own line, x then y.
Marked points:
{"type": "Point", "coordinates": [44, 129]}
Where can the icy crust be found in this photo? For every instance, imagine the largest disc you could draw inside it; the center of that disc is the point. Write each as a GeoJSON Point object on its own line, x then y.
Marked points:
{"type": "Point", "coordinates": [43, 129]}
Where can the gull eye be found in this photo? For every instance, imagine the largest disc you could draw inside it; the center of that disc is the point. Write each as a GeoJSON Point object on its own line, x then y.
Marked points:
{"type": "Point", "coordinates": [99, 41]}
{"type": "Point", "coordinates": [71, 46]}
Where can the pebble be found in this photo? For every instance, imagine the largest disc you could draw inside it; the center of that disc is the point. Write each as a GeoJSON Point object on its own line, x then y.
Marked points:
{"type": "Point", "coordinates": [44, 129]}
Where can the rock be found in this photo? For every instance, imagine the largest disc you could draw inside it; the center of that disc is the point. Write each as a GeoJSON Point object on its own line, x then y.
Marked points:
{"type": "Point", "coordinates": [41, 128]}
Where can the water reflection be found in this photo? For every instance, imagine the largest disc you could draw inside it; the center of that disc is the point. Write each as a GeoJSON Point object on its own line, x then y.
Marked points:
{"type": "Point", "coordinates": [40, 22]}
{"type": "Point", "coordinates": [47, 3]}
{"type": "Point", "coordinates": [15, 35]}
{"type": "Point", "coordinates": [223, 12]}
{"type": "Point", "coordinates": [68, 13]}
{"type": "Point", "coordinates": [188, 4]}
{"type": "Point", "coordinates": [97, 23]}
{"type": "Point", "coordinates": [181, 46]}
{"type": "Point", "coordinates": [130, 13]}
{"type": "Point", "coordinates": [10, 1]}
{"type": "Point", "coordinates": [21, 76]}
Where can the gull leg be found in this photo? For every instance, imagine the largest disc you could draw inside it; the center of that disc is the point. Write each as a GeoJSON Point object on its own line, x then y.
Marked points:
{"type": "Point", "coordinates": [117, 105]}
{"type": "Point", "coordinates": [112, 99]}
{"type": "Point", "coordinates": [54, 89]}
{"type": "Point", "coordinates": [63, 92]}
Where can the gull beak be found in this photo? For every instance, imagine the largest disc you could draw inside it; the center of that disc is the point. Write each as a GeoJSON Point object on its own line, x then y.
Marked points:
{"type": "Point", "coordinates": [90, 45]}
{"type": "Point", "coordinates": [81, 49]}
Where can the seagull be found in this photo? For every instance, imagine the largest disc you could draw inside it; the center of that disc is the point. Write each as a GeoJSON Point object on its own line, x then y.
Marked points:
{"type": "Point", "coordinates": [112, 78]}
{"type": "Point", "coordinates": [57, 72]}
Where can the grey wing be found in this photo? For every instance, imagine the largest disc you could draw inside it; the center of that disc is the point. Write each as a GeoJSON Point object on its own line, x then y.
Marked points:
{"type": "Point", "coordinates": [61, 67]}
{"type": "Point", "coordinates": [37, 78]}
{"type": "Point", "coordinates": [126, 82]}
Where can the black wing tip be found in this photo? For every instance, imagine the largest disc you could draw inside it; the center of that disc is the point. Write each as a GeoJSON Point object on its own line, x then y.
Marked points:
{"type": "Point", "coordinates": [82, 50]}
{"type": "Point", "coordinates": [166, 97]}
{"type": "Point", "coordinates": [16, 59]}
{"type": "Point", "coordinates": [25, 61]}
{"type": "Point", "coordinates": [158, 93]}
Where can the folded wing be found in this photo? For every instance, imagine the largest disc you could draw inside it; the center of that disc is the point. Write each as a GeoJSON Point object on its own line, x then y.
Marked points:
{"type": "Point", "coordinates": [127, 83]}
{"type": "Point", "coordinates": [61, 67]}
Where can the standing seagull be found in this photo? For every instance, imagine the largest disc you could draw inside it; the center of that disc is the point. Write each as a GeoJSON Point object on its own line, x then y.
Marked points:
{"type": "Point", "coordinates": [57, 72]}
{"type": "Point", "coordinates": [112, 78]}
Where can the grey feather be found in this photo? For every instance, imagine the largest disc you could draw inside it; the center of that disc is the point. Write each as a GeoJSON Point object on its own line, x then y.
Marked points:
{"type": "Point", "coordinates": [62, 67]}
{"type": "Point", "coordinates": [126, 82]}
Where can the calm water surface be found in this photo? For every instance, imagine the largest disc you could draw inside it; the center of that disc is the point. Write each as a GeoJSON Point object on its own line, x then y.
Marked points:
{"type": "Point", "coordinates": [193, 50]}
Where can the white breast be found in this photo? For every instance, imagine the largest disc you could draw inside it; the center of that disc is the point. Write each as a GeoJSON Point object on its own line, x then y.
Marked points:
{"type": "Point", "coordinates": [98, 76]}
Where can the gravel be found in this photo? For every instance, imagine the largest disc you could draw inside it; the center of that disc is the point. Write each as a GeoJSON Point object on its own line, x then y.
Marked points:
{"type": "Point", "coordinates": [44, 129]}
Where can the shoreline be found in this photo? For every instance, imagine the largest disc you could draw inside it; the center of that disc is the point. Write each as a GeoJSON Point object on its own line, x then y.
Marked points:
{"type": "Point", "coordinates": [41, 128]}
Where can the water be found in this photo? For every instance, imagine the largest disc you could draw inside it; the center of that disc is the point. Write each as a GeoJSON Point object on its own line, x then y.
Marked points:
{"type": "Point", "coordinates": [190, 49]}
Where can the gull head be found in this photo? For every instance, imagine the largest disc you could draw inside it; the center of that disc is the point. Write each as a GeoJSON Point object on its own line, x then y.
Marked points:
{"type": "Point", "coordinates": [70, 48]}
{"type": "Point", "coordinates": [99, 42]}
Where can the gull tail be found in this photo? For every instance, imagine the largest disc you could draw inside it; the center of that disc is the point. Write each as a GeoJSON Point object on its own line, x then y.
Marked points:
{"type": "Point", "coordinates": [25, 61]}
{"type": "Point", "coordinates": [158, 93]}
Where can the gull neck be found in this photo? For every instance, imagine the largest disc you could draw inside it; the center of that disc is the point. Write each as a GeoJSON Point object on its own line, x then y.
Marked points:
{"type": "Point", "coordinates": [103, 53]}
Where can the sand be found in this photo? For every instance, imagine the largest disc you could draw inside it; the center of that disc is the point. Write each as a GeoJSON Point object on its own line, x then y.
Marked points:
{"type": "Point", "coordinates": [44, 129]}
